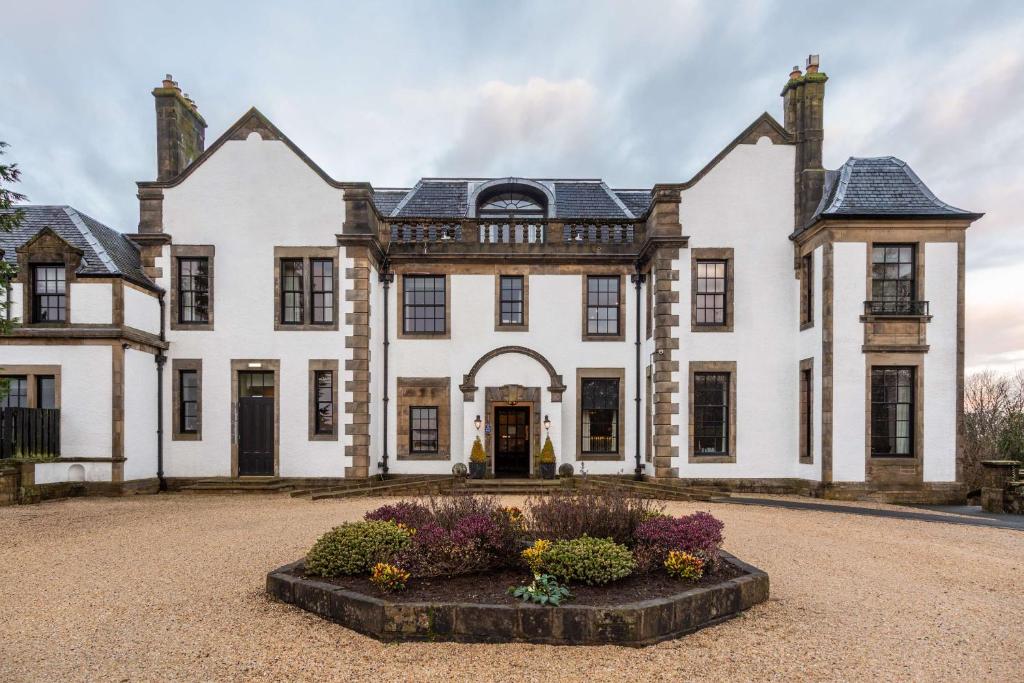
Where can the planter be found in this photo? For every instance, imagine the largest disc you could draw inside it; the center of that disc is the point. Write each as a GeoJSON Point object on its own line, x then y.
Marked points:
{"type": "Point", "coordinates": [627, 622]}
{"type": "Point", "coordinates": [477, 470]}
{"type": "Point", "coordinates": [547, 470]}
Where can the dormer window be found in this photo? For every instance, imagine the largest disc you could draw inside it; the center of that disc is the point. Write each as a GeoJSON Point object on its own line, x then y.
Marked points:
{"type": "Point", "coordinates": [511, 203]}
{"type": "Point", "coordinates": [49, 293]}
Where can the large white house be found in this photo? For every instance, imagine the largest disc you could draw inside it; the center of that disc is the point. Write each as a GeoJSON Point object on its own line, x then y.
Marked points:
{"type": "Point", "coordinates": [767, 324]}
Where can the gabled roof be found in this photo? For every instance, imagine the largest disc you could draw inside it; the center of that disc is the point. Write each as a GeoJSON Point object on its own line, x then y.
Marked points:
{"type": "Point", "coordinates": [449, 198]}
{"type": "Point", "coordinates": [880, 187]}
{"type": "Point", "coordinates": [105, 252]}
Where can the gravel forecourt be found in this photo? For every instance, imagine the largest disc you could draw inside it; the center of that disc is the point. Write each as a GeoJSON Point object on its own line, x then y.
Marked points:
{"type": "Point", "coordinates": [170, 587]}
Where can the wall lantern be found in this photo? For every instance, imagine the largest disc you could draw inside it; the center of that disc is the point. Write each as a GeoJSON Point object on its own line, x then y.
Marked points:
{"type": "Point", "coordinates": [547, 423]}
{"type": "Point", "coordinates": [477, 422]}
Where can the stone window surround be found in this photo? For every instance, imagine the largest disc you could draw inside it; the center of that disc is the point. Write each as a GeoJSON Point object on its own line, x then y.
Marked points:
{"type": "Point", "coordinates": [32, 373]}
{"type": "Point", "coordinates": [621, 336]}
{"type": "Point", "coordinates": [315, 366]}
{"type": "Point", "coordinates": [179, 251]}
{"type": "Point", "coordinates": [713, 254]}
{"type": "Point", "coordinates": [807, 364]}
{"type": "Point", "coordinates": [903, 469]}
{"type": "Point", "coordinates": [305, 254]}
{"type": "Point", "coordinates": [46, 248]}
{"type": "Point", "coordinates": [266, 365]}
{"type": "Point", "coordinates": [177, 365]}
{"type": "Point", "coordinates": [423, 392]}
{"type": "Point", "coordinates": [400, 308]}
{"type": "Point", "coordinates": [601, 373]}
{"type": "Point", "coordinates": [807, 302]}
{"type": "Point", "coordinates": [712, 366]}
{"type": "Point", "coordinates": [525, 326]}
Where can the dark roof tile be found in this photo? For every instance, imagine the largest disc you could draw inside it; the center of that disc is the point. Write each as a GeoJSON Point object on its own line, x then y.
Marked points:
{"type": "Point", "coordinates": [104, 251]}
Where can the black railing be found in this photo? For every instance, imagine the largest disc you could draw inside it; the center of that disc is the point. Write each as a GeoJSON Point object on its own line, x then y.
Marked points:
{"type": "Point", "coordinates": [29, 432]}
{"type": "Point", "coordinates": [895, 307]}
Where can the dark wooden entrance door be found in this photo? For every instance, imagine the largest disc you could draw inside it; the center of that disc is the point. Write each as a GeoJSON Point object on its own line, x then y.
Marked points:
{"type": "Point", "coordinates": [255, 424]}
{"type": "Point", "coordinates": [512, 442]}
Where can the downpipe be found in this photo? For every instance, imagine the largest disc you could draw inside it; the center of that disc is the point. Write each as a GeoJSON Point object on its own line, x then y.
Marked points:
{"type": "Point", "coordinates": [386, 277]}
{"type": "Point", "coordinates": [161, 361]}
{"type": "Point", "coordinates": [638, 279]}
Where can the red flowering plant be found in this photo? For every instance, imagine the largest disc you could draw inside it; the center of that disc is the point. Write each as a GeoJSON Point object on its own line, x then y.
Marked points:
{"type": "Point", "coordinates": [699, 534]}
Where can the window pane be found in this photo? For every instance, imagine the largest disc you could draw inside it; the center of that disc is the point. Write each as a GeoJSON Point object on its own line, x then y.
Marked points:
{"type": "Point", "coordinates": [17, 393]}
{"type": "Point", "coordinates": [892, 411]}
{"type": "Point", "coordinates": [291, 291]}
{"type": "Point", "coordinates": [423, 429]}
{"type": "Point", "coordinates": [48, 294]}
{"type": "Point", "coordinates": [193, 290]}
{"type": "Point", "coordinates": [711, 413]}
{"type": "Point", "coordinates": [188, 396]}
{"type": "Point", "coordinates": [424, 304]}
{"type": "Point", "coordinates": [322, 289]}
{"type": "Point", "coordinates": [602, 305]}
{"type": "Point", "coordinates": [324, 401]}
{"type": "Point", "coordinates": [711, 292]}
{"type": "Point", "coordinates": [599, 403]}
{"type": "Point", "coordinates": [892, 277]}
{"type": "Point", "coordinates": [511, 300]}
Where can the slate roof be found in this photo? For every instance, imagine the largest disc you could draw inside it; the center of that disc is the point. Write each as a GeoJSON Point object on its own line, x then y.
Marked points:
{"type": "Point", "coordinates": [105, 252]}
{"type": "Point", "coordinates": [880, 186]}
{"type": "Point", "coordinates": [449, 198]}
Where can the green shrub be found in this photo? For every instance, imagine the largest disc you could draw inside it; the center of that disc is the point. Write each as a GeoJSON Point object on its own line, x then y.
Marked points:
{"type": "Point", "coordinates": [592, 561]}
{"type": "Point", "coordinates": [547, 453]}
{"type": "Point", "coordinates": [355, 547]}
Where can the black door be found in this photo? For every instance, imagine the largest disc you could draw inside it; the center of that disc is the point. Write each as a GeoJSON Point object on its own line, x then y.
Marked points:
{"type": "Point", "coordinates": [255, 436]}
{"type": "Point", "coordinates": [512, 442]}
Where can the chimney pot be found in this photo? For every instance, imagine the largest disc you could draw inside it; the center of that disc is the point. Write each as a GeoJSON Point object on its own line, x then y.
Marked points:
{"type": "Point", "coordinates": [813, 62]}
{"type": "Point", "coordinates": [168, 81]}
{"type": "Point", "coordinates": [795, 73]}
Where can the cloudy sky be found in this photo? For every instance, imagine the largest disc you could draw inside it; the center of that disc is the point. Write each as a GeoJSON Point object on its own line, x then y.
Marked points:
{"type": "Point", "coordinates": [634, 92]}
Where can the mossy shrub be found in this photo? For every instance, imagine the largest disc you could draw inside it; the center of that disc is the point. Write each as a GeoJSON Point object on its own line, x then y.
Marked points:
{"type": "Point", "coordinates": [355, 547]}
{"type": "Point", "coordinates": [592, 561]}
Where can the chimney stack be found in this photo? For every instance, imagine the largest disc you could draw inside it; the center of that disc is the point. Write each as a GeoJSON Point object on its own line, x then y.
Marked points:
{"type": "Point", "coordinates": [180, 130]}
{"type": "Point", "coordinates": [803, 100]}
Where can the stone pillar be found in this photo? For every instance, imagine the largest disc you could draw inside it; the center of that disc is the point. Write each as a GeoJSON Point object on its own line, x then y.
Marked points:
{"type": "Point", "coordinates": [997, 477]}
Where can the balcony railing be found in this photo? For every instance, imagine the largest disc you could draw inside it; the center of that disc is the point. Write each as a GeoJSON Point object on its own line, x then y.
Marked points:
{"type": "Point", "coordinates": [490, 231]}
{"type": "Point", "coordinates": [884, 307]}
{"type": "Point", "coordinates": [29, 432]}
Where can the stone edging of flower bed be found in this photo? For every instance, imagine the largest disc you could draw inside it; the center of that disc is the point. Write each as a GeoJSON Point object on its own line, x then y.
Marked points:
{"type": "Point", "coordinates": [634, 623]}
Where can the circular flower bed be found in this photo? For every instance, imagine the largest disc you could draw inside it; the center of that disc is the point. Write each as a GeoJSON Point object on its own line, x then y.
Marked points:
{"type": "Point", "coordinates": [418, 569]}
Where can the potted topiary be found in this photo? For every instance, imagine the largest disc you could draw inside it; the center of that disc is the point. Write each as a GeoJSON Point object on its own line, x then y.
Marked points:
{"type": "Point", "coordinates": [547, 460]}
{"type": "Point", "coordinates": [477, 460]}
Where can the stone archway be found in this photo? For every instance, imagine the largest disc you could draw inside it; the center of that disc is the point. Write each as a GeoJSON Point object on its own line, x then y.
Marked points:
{"type": "Point", "coordinates": [469, 387]}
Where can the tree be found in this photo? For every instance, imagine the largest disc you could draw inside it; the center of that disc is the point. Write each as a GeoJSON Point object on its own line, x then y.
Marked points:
{"type": "Point", "coordinates": [9, 220]}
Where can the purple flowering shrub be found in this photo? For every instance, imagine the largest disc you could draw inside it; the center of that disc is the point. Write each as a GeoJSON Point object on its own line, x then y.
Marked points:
{"type": "Point", "coordinates": [454, 535]}
{"type": "Point", "coordinates": [409, 513]}
{"type": "Point", "coordinates": [699, 533]}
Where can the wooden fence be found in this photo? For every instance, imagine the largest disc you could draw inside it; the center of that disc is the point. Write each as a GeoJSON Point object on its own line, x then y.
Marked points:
{"type": "Point", "coordinates": [29, 432]}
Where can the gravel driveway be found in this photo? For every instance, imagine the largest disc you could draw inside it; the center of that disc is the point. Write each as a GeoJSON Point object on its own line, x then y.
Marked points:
{"type": "Point", "coordinates": [171, 587]}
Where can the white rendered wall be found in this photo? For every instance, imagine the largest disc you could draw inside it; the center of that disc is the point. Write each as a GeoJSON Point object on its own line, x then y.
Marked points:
{"type": "Point", "coordinates": [940, 288]}
{"type": "Point", "coordinates": [246, 199]}
{"type": "Point", "coordinates": [848, 363]}
{"type": "Point", "coordinates": [91, 302]}
{"type": "Point", "coordinates": [139, 415]}
{"type": "Point", "coordinates": [57, 472]}
{"type": "Point", "coordinates": [556, 329]}
{"type": "Point", "coordinates": [141, 310]}
{"type": "Point", "coordinates": [85, 389]}
{"type": "Point", "coordinates": [14, 310]}
{"type": "Point", "coordinates": [746, 203]}
{"type": "Point", "coordinates": [809, 346]}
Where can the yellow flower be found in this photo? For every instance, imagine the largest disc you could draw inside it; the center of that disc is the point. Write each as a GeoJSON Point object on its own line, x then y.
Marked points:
{"type": "Point", "coordinates": [534, 555]}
